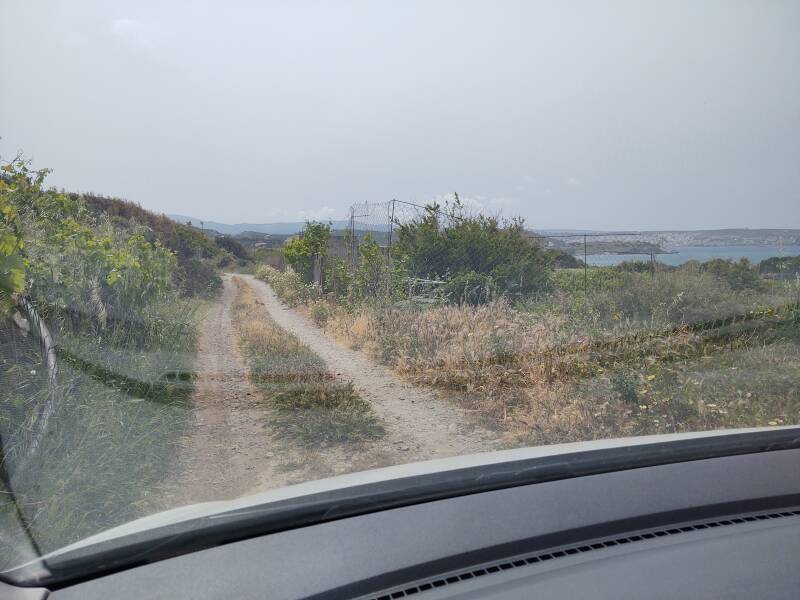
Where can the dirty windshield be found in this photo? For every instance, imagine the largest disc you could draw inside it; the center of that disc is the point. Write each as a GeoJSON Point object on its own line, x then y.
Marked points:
{"type": "Point", "coordinates": [250, 246]}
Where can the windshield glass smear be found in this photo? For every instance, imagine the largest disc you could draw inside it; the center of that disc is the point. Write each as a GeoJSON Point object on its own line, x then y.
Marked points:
{"type": "Point", "coordinates": [274, 282]}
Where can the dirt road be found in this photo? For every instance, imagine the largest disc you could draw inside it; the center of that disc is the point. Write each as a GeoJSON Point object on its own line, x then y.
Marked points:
{"type": "Point", "coordinates": [419, 424]}
{"type": "Point", "coordinates": [230, 449]}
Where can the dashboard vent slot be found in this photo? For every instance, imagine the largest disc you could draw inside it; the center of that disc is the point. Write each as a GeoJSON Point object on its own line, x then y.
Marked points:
{"type": "Point", "coordinates": [570, 550]}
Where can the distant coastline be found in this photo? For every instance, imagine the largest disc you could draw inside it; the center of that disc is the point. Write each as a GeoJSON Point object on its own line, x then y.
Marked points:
{"type": "Point", "coordinates": [682, 254]}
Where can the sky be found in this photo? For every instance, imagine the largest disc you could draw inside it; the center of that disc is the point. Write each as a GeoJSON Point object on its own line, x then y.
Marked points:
{"type": "Point", "coordinates": [572, 114]}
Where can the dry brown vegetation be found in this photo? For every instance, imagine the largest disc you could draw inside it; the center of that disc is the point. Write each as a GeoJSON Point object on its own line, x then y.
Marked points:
{"type": "Point", "coordinates": [548, 376]}
{"type": "Point", "coordinates": [531, 375]}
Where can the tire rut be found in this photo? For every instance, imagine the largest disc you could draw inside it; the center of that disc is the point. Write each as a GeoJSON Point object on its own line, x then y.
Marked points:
{"type": "Point", "coordinates": [229, 449]}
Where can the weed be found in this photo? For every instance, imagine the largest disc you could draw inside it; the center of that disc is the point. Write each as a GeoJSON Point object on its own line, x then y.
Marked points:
{"type": "Point", "coordinates": [626, 385]}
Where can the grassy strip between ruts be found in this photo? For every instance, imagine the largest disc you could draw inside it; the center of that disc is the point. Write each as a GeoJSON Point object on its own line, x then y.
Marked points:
{"type": "Point", "coordinates": [306, 401]}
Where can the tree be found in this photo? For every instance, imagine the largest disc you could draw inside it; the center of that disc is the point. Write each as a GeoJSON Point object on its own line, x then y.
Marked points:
{"type": "Point", "coordinates": [12, 266]}
{"type": "Point", "coordinates": [299, 252]}
{"type": "Point", "coordinates": [54, 250]}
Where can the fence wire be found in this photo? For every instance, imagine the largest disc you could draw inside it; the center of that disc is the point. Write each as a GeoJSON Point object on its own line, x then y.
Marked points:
{"type": "Point", "coordinates": [380, 221]}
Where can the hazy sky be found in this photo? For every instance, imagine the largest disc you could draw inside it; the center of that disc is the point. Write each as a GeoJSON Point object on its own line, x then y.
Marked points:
{"type": "Point", "coordinates": [573, 114]}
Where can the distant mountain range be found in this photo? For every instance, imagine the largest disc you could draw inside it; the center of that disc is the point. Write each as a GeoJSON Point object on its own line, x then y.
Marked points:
{"type": "Point", "coordinates": [235, 228]}
{"type": "Point", "coordinates": [709, 237]}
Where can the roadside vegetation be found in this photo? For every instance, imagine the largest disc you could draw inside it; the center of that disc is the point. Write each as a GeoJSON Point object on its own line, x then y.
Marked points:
{"type": "Point", "coordinates": [90, 427]}
{"type": "Point", "coordinates": [305, 401]}
{"type": "Point", "coordinates": [508, 329]}
{"type": "Point", "coordinates": [199, 257]}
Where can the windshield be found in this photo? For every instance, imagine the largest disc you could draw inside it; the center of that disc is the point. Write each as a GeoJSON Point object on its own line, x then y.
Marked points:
{"type": "Point", "coordinates": [245, 247]}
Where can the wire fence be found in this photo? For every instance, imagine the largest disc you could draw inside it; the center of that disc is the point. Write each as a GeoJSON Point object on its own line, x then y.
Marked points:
{"type": "Point", "coordinates": [379, 223]}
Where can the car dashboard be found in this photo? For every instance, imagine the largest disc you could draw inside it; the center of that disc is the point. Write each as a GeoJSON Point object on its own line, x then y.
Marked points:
{"type": "Point", "coordinates": [727, 526]}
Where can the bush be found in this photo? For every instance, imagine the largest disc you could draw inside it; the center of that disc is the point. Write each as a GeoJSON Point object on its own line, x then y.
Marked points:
{"type": "Point", "coordinates": [199, 278]}
{"type": "Point", "coordinates": [784, 266]}
{"type": "Point", "coordinates": [189, 245]}
{"type": "Point", "coordinates": [320, 312]}
{"type": "Point", "coordinates": [105, 286]}
{"type": "Point", "coordinates": [739, 275]}
{"type": "Point", "coordinates": [445, 244]}
{"type": "Point", "coordinates": [288, 285]}
{"type": "Point", "coordinates": [299, 252]}
{"type": "Point", "coordinates": [626, 385]}
{"type": "Point", "coordinates": [470, 288]}
{"type": "Point", "coordinates": [233, 246]}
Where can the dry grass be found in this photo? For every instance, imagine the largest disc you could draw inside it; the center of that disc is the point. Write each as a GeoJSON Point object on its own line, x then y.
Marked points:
{"type": "Point", "coordinates": [306, 402]}
{"type": "Point", "coordinates": [534, 376]}
{"type": "Point", "coordinates": [568, 368]}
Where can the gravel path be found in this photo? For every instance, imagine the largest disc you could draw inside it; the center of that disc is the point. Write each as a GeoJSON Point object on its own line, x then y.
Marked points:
{"type": "Point", "coordinates": [231, 451]}
{"type": "Point", "coordinates": [419, 424]}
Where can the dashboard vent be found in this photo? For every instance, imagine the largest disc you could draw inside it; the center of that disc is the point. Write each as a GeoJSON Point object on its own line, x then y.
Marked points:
{"type": "Point", "coordinates": [541, 556]}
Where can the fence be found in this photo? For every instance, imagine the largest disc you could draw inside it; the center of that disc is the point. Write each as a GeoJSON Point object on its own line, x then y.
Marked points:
{"type": "Point", "coordinates": [379, 222]}
{"type": "Point", "coordinates": [604, 249]}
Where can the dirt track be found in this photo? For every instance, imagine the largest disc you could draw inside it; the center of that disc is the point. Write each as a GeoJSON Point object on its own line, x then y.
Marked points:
{"type": "Point", "coordinates": [416, 419]}
{"type": "Point", "coordinates": [230, 450]}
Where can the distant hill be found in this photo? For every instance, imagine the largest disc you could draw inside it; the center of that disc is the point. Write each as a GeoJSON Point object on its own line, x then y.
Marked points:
{"type": "Point", "coordinates": [710, 237]}
{"type": "Point", "coordinates": [236, 228]}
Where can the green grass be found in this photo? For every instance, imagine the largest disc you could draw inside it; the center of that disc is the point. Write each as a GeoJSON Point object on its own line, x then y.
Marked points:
{"type": "Point", "coordinates": [751, 386]}
{"type": "Point", "coordinates": [305, 401]}
{"type": "Point", "coordinates": [125, 402]}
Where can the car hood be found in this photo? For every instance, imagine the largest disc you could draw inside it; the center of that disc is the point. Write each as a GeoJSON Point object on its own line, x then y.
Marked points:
{"type": "Point", "coordinates": [208, 510]}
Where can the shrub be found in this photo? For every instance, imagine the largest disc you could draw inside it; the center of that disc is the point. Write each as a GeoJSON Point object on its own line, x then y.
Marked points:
{"type": "Point", "coordinates": [197, 255]}
{"type": "Point", "coordinates": [626, 385]}
{"type": "Point", "coordinates": [320, 313]}
{"type": "Point", "coordinates": [199, 278]}
{"type": "Point", "coordinates": [233, 246]}
{"type": "Point", "coordinates": [739, 275]}
{"type": "Point", "coordinates": [470, 288]}
{"type": "Point", "coordinates": [784, 266]}
{"type": "Point", "coordinates": [288, 285]}
{"type": "Point", "coordinates": [450, 243]}
{"type": "Point", "coordinates": [299, 252]}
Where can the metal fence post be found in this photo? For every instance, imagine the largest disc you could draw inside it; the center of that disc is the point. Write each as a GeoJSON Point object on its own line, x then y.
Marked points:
{"type": "Point", "coordinates": [585, 268]}
{"type": "Point", "coordinates": [353, 238]}
{"type": "Point", "coordinates": [390, 210]}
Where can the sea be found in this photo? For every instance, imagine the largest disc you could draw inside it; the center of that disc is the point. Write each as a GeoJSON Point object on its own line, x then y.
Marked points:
{"type": "Point", "coordinates": [682, 254]}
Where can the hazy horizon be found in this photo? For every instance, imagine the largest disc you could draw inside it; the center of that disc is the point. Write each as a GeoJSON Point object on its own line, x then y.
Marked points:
{"type": "Point", "coordinates": [618, 115]}
{"type": "Point", "coordinates": [208, 224]}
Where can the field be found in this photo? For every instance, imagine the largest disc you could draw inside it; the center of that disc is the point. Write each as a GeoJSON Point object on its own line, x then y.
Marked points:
{"type": "Point", "coordinates": [685, 349]}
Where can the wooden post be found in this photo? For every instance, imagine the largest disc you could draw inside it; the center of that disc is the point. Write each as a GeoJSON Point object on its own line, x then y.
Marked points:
{"type": "Point", "coordinates": [318, 269]}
